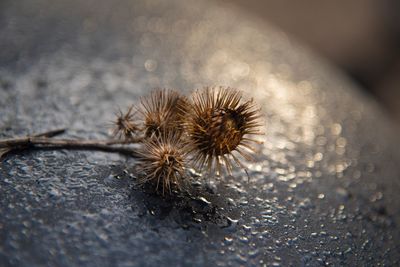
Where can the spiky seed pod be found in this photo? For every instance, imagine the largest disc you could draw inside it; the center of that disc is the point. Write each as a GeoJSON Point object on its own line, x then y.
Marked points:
{"type": "Point", "coordinates": [218, 125]}
{"type": "Point", "coordinates": [163, 111]}
{"type": "Point", "coordinates": [125, 125]}
{"type": "Point", "coordinates": [162, 162]}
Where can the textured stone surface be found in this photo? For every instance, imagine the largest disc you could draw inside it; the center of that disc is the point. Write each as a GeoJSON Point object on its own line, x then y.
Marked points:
{"type": "Point", "coordinates": [323, 188]}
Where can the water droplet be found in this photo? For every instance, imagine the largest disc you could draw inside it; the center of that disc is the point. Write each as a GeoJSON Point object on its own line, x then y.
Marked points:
{"type": "Point", "coordinates": [375, 197]}
{"type": "Point", "coordinates": [231, 202]}
{"type": "Point", "coordinates": [55, 193]}
{"type": "Point", "coordinates": [305, 203]}
{"type": "Point", "coordinates": [228, 241]}
{"type": "Point", "coordinates": [336, 129]}
{"type": "Point", "coordinates": [314, 234]}
{"type": "Point", "coordinates": [347, 251]}
{"type": "Point", "coordinates": [246, 228]}
{"type": "Point", "coordinates": [197, 220]}
{"type": "Point", "coordinates": [342, 193]}
{"type": "Point", "coordinates": [230, 225]}
{"type": "Point", "coordinates": [150, 65]}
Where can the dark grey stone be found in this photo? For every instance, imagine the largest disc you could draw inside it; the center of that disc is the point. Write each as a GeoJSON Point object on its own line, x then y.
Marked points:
{"type": "Point", "coordinates": [323, 189]}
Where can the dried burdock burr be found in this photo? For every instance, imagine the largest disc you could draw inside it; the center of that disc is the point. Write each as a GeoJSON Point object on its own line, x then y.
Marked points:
{"type": "Point", "coordinates": [212, 130]}
{"type": "Point", "coordinates": [163, 111]}
{"type": "Point", "coordinates": [161, 162]}
{"type": "Point", "coordinates": [219, 124]}
{"type": "Point", "coordinates": [125, 126]}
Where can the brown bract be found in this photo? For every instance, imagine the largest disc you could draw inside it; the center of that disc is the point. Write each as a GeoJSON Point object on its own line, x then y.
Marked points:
{"type": "Point", "coordinates": [162, 161]}
{"type": "Point", "coordinates": [125, 126]}
{"type": "Point", "coordinates": [219, 124]}
{"type": "Point", "coordinates": [163, 111]}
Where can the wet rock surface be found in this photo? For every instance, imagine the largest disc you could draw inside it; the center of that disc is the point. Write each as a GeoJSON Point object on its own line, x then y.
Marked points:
{"type": "Point", "coordinates": [323, 188]}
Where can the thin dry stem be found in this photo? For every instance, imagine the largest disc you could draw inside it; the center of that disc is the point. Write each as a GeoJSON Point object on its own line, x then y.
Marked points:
{"type": "Point", "coordinates": [42, 141]}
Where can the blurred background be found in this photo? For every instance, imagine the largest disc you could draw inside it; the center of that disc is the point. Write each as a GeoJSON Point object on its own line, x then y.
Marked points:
{"type": "Point", "coordinates": [361, 37]}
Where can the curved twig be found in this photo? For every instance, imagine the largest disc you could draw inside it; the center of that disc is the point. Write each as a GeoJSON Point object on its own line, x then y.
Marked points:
{"type": "Point", "coordinates": [42, 141]}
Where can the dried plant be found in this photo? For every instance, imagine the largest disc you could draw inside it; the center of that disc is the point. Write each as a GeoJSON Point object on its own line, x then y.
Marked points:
{"type": "Point", "coordinates": [125, 126]}
{"type": "Point", "coordinates": [218, 125]}
{"type": "Point", "coordinates": [163, 111]}
{"type": "Point", "coordinates": [171, 133]}
{"type": "Point", "coordinates": [162, 161]}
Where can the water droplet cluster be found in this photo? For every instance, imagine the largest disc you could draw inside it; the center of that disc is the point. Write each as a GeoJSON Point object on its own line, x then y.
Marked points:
{"type": "Point", "coordinates": [323, 189]}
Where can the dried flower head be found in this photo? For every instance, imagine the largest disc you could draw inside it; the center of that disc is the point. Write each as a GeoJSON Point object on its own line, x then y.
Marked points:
{"type": "Point", "coordinates": [163, 112]}
{"type": "Point", "coordinates": [125, 125]}
{"type": "Point", "coordinates": [218, 125]}
{"type": "Point", "coordinates": [162, 162]}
